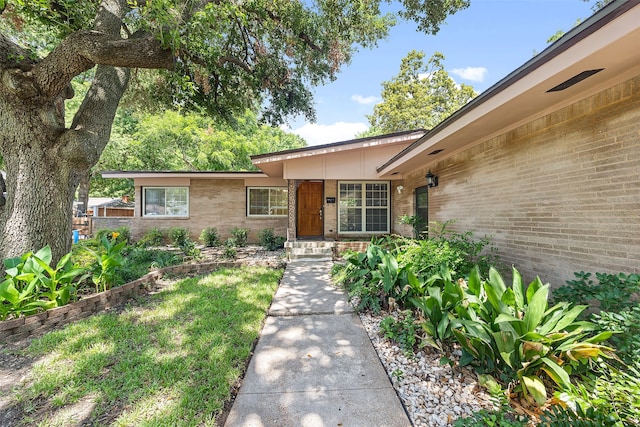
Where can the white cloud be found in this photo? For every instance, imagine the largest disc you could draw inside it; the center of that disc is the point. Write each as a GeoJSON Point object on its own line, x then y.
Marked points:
{"type": "Point", "coordinates": [474, 74]}
{"type": "Point", "coordinates": [365, 100]}
{"type": "Point", "coordinates": [316, 134]}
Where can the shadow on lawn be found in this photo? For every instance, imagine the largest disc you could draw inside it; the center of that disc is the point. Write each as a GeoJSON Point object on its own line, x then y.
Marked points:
{"type": "Point", "coordinates": [168, 359]}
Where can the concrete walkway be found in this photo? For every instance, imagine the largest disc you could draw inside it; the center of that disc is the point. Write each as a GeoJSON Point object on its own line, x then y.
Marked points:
{"type": "Point", "coordinates": [314, 364]}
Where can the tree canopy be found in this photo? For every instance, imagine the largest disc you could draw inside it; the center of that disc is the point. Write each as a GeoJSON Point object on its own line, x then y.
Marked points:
{"type": "Point", "coordinates": [191, 141]}
{"type": "Point", "coordinates": [211, 56]}
{"type": "Point", "coordinates": [419, 97]}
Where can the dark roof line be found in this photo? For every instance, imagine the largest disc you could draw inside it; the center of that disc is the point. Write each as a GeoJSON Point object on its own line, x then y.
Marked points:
{"type": "Point", "coordinates": [590, 25]}
{"type": "Point", "coordinates": [133, 172]}
{"type": "Point", "coordinates": [335, 144]}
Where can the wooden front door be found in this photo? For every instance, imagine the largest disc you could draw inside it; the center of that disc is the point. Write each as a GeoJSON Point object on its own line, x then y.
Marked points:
{"type": "Point", "coordinates": [310, 209]}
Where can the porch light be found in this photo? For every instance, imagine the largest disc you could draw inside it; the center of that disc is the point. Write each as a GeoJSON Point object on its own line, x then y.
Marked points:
{"type": "Point", "coordinates": [432, 180]}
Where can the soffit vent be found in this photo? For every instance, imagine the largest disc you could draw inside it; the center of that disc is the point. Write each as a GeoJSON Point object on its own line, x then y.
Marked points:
{"type": "Point", "coordinates": [574, 80]}
{"type": "Point", "coordinates": [435, 152]}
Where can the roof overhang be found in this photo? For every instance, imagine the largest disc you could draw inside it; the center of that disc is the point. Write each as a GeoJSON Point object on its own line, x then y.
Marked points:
{"type": "Point", "coordinates": [182, 174]}
{"type": "Point", "coordinates": [273, 163]}
{"type": "Point", "coordinates": [608, 40]}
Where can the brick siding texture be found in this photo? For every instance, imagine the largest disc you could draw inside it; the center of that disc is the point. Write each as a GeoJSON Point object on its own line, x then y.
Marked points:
{"type": "Point", "coordinates": [219, 203]}
{"type": "Point", "coordinates": [557, 195]}
{"type": "Point", "coordinates": [16, 329]}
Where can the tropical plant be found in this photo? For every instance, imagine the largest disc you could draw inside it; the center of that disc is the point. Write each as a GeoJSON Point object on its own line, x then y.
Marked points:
{"type": "Point", "coordinates": [210, 237]}
{"type": "Point", "coordinates": [240, 236]}
{"type": "Point", "coordinates": [627, 325]}
{"type": "Point", "coordinates": [440, 308]}
{"type": "Point", "coordinates": [514, 334]}
{"type": "Point", "coordinates": [30, 279]}
{"type": "Point", "coordinates": [108, 258]}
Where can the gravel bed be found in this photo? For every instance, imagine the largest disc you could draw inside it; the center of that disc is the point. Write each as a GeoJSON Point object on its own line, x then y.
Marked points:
{"type": "Point", "coordinates": [433, 394]}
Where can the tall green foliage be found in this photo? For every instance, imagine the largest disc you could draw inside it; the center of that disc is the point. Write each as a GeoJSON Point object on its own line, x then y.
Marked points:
{"type": "Point", "coordinates": [420, 96]}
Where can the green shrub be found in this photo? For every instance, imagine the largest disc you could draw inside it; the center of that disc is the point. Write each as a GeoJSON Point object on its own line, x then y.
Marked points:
{"type": "Point", "coordinates": [153, 237]}
{"type": "Point", "coordinates": [401, 330]}
{"type": "Point", "coordinates": [503, 417]}
{"type": "Point", "coordinates": [269, 240]}
{"type": "Point", "coordinates": [210, 237]}
{"type": "Point", "coordinates": [240, 236]}
{"type": "Point", "coordinates": [189, 249]}
{"type": "Point", "coordinates": [612, 292]}
{"type": "Point", "coordinates": [627, 325]}
{"type": "Point", "coordinates": [139, 260]}
{"type": "Point", "coordinates": [558, 416]}
{"type": "Point", "coordinates": [230, 252]}
{"type": "Point", "coordinates": [179, 236]}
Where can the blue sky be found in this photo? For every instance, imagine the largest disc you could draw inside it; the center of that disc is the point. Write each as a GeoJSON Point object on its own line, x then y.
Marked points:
{"type": "Point", "coordinates": [481, 45]}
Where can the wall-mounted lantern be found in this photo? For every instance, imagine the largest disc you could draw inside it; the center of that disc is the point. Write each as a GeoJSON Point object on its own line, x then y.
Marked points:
{"type": "Point", "coordinates": [432, 180]}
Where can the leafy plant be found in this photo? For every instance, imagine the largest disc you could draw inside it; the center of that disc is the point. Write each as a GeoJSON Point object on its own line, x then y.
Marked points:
{"type": "Point", "coordinates": [513, 333]}
{"type": "Point", "coordinates": [230, 251]}
{"type": "Point", "coordinates": [613, 292]}
{"type": "Point", "coordinates": [108, 258]}
{"type": "Point", "coordinates": [269, 240]}
{"type": "Point", "coordinates": [402, 330]}
{"type": "Point", "coordinates": [416, 222]}
{"type": "Point", "coordinates": [502, 417]}
{"type": "Point", "coordinates": [240, 235]}
{"type": "Point", "coordinates": [627, 325]}
{"type": "Point", "coordinates": [153, 237]}
{"type": "Point", "coordinates": [119, 234]}
{"type": "Point", "coordinates": [559, 416]}
{"type": "Point", "coordinates": [179, 236]}
{"type": "Point", "coordinates": [210, 237]}
{"type": "Point", "coordinates": [440, 308]}
{"type": "Point", "coordinates": [30, 279]}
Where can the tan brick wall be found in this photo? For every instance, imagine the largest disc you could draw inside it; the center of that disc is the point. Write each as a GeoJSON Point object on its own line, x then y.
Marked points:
{"type": "Point", "coordinates": [559, 194]}
{"type": "Point", "coordinates": [219, 203]}
{"type": "Point", "coordinates": [331, 209]}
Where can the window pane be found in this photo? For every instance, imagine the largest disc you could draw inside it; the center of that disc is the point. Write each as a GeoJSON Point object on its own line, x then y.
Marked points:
{"type": "Point", "coordinates": [154, 201]}
{"type": "Point", "coordinates": [364, 207]}
{"type": "Point", "coordinates": [259, 201]}
{"type": "Point", "coordinates": [268, 201]}
{"type": "Point", "coordinates": [177, 203]}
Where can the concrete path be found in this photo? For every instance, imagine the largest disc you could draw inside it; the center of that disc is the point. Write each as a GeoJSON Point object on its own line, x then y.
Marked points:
{"type": "Point", "coordinates": [314, 365]}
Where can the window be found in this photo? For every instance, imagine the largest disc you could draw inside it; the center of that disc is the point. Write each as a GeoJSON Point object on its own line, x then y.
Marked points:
{"type": "Point", "coordinates": [363, 207]}
{"type": "Point", "coordinates": [165, 201]}
{"type": "Point", "coordinates": [267, 201]}
{"type": "Point", "coordinates": [422, 208]}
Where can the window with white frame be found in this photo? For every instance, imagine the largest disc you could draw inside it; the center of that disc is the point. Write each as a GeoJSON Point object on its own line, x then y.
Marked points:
{"type": "Point", "coordinates": [363, 207]}
{"type": "Point", "coordinates": [267, 201]}
{"type": "Point", "coordinates": [165, 201]}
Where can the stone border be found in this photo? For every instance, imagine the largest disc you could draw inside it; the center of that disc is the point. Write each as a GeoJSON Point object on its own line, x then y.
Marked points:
{"type": "Point", "coordinates": [17, 329]}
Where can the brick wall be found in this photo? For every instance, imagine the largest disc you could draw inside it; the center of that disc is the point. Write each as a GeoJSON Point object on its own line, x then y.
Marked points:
{"type": "Point", "coordinates": [23, 327]}
{"type": "Point", "coordinates": [219, 203]}
{"type": "Point", "coordinates": [559, 194]}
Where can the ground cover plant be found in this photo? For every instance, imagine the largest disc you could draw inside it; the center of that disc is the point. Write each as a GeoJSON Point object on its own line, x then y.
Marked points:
{"type": "Point", "coordinates": [167, 359]}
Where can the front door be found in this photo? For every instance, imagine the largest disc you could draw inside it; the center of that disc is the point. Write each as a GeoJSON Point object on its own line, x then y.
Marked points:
{"type": "Point", "coordinates": [310, 209]}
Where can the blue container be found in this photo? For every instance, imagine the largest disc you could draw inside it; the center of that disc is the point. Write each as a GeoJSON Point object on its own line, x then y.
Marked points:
{"type": "Point", "coordinates": [76, 236]}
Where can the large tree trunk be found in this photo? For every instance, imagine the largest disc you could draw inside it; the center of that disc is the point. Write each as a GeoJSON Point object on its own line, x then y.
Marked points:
{"type": "Point", "coordinates": [44, 161]}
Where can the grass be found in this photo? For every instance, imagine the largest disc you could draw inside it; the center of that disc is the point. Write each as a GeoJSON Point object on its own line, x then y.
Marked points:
{"type": "Point", "coordinates": [169, 359]}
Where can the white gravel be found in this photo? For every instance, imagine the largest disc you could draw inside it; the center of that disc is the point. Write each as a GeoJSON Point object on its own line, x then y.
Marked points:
{"type": "Point", "coordinates": [433, 394]}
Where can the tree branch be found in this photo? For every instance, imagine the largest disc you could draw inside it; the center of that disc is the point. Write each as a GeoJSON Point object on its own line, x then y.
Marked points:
{"type": "Point", "coordinates": [82, 50]}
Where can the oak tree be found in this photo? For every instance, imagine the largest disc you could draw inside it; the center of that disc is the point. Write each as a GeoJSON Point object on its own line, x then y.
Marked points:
{"type": "Point", "coordinates": [218, 56]}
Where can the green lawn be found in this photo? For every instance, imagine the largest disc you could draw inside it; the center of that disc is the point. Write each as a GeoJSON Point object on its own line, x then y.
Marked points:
{"type": "Point", "coordinates": [169, 359]}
